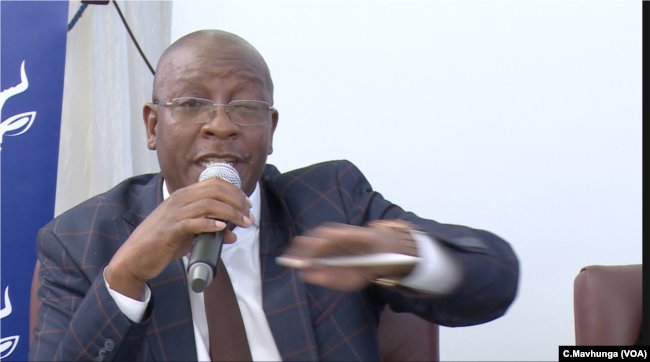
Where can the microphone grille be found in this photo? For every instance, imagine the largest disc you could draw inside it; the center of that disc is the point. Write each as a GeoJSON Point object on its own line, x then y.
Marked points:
{"type": "Point", "coordinates": [223, 171]}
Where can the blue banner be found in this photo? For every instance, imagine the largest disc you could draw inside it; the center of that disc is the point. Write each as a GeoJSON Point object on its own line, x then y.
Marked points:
{"type": "Point", "coordinates": [32, 66]}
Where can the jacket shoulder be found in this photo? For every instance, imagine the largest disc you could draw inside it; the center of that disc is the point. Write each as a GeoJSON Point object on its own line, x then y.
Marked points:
{"type": "Point", "coordinates": [114, 202]}
{"type": "Point", "coordinates": [323, 192]}
{"type": "Point", "coordinates": [271, 173]}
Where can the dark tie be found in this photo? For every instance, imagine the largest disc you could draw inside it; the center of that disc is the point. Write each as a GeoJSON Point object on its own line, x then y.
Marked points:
{"type": "Point", "coordinates": [228, 340]}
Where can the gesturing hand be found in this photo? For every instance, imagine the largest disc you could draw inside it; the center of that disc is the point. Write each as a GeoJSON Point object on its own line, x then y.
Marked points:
{"type": "Point", "coordinates": [167, 233]}
{"type": "Point", "coordinates": [334, 239]}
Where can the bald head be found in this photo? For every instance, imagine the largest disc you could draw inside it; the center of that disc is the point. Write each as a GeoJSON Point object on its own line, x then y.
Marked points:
{"type": "Point", "coordinates": [209, 46]}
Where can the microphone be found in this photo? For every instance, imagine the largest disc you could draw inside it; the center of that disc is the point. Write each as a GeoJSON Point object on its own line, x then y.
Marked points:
{"type": "Point", "coordinates": [206, 248]}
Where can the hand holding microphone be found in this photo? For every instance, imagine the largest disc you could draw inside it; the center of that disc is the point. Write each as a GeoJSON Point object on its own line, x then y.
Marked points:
{"type": "Point", "coordinates": [206, 248]}
{"type": "Point", "coordinates": [167, 233]}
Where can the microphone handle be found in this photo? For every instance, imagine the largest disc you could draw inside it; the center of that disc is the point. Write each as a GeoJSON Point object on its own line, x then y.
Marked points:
{"type": "Point", "coordinates": [204, 259]}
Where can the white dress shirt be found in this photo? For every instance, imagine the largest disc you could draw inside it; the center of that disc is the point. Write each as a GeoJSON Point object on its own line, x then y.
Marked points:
{"type": "Point", "coordinates": [438, 273]}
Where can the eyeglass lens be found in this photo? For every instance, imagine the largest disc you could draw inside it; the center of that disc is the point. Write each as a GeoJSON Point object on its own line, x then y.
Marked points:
{"type": "Point", "coordinates": [197, 110]}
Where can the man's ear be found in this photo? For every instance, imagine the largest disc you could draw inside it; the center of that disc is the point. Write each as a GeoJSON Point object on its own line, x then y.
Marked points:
{"type": "Point", "coordinates": [150, 117]}
{"type": "Point", "coordinates": [274, 123]}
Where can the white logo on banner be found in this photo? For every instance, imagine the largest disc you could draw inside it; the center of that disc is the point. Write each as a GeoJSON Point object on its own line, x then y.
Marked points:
{"type": "Point", "coordinates": [7, 344]}
{"type": "Point", "coordinates": [20, 123]}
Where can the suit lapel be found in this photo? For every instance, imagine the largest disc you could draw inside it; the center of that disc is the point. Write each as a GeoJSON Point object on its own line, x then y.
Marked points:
{"type": "Point", "coordinates": [169, 290]}
{"type": "Point", "coordinates": [283, 292]}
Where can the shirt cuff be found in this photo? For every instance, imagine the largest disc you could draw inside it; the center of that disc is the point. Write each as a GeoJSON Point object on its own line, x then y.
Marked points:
{"type": "Point", "coordinates": [438, 272]}
{"type": "Point", "coordinates": [131, 308]}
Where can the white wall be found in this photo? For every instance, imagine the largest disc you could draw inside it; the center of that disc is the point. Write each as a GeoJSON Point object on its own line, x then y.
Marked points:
{"type": "Point", "coordinates": [522, 118]}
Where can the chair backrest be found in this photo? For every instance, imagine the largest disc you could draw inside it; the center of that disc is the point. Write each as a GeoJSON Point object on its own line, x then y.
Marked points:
{"type": "Point", "coordinates": [34, 302]}
{"type": "Point", "coordinates": [607, 304]}
{"type": "Point", "coordinates": [406, 337]}
{"type": "Point", "coordinates": [402, 336]}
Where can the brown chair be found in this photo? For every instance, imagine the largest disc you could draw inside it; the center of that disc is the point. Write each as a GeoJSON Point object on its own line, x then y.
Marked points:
{"type": "Point", "coordinates": [607, 305]}
{"type": "Point", "coordinates": [402, 336]}
{"type": "Point", "coordinates": [405, 337]}
{"type": "Point", "coordinates": [34, 302]}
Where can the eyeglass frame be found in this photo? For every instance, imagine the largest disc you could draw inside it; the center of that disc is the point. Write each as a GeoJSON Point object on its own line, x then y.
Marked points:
{"type": "Point", "coordinates": [214, 105]}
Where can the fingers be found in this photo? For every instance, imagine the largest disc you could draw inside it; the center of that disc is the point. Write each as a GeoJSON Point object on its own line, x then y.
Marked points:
{"type": "Point", "coordinates": [217, 210]}
{"type": "Point", "coordinates": [204, 225]}
{"type": "Point", "coordinates": [335, 240]}
{"type": "Point", "coordinates": [216, 189]}
{"type": "Point", "coordinates": [213, 199]}
{"type": "Point", "coordinates": [332, 240]}
{"type": "Point", "coordinates": [200, 225]}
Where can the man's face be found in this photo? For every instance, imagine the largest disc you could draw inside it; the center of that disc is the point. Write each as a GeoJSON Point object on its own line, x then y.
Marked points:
{"type": "Point", "coordinates": [222, 73]}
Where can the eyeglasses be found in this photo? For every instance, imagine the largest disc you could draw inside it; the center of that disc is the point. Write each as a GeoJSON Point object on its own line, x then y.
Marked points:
{"type": "Point", "coordinates": [199, 110]}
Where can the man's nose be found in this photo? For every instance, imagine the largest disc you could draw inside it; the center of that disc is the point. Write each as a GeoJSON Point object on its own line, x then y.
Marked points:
{"type": "Point", "coordinates": [220, 124]}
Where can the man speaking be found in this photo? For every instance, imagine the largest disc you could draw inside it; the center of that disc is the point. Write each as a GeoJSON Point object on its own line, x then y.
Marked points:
{"type": "Point", "coordinates": [310, 257]}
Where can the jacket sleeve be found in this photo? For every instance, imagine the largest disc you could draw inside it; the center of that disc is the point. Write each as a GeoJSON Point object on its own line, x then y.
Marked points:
{"type": "Point", "coordinates": [78, 319]}
{"type": "Point", "coordinates": [490, 267]}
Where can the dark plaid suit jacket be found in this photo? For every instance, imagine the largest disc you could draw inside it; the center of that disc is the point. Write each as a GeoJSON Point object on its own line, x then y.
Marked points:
{"type": "Point", "coordinates": [79, 320]}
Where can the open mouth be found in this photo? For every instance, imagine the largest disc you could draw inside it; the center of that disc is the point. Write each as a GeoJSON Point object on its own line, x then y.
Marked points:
{"type": "Point", "coordinates": [208, 161]}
